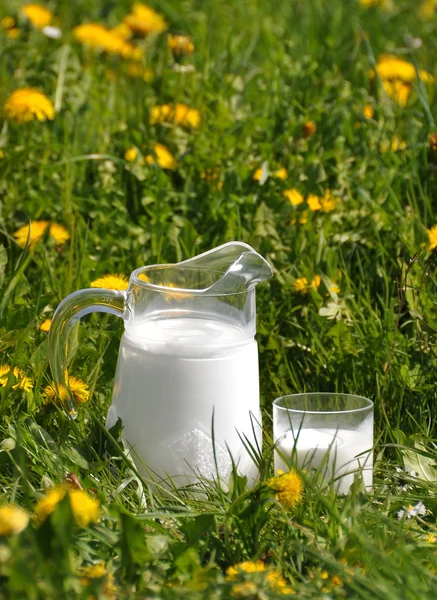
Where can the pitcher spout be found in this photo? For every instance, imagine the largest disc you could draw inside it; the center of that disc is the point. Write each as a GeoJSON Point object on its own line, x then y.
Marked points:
{"type": "Point", "coordinates": [241, 266]}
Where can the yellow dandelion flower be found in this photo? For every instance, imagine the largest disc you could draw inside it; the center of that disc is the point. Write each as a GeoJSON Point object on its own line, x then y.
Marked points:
{"type": "Point", "coordinates": [59, 233]}
{"type": "Point", "coordinates": [432, 237]}
{"type": "Point", "coordinates": [289, 488]}
{"type": "Point", "coordinates": [368, 111]}
{"type": "Point", "coordinates": [89, 573]}
{"type": "Point", "coordinates": [303, 217]}
{"type": "Point", "coordinates": [180, 44]}
{"type": "Point", "coordinates": [85, 509]}
{"type": "Point", "coordinates": [301, 285]}
{"type": "Point", "coordinates": [38, 15]}
{"type": "Point", "coordinates": [315, 284]}
{"type": "Point", "coordinates": [314, 202]}
{"type": "Point", "coordinates": [122, 31]}
{"type": "Point", "coordinates": [131, 154]}
{"type": "Point", "coordinates": [281, 173]}
{"type": "Point", "coordinates": [433, 142]}
{"type": "Point", "coordinates": [13, 519]}
{"type": "Point", "coordinates": [328, 203]}
{"type": "Point", "coordinates": [143, 20]}
{"type": "Point", "coordinates": [179, 114]}
{"type": "Point", "coordinates": [294, 197]}
{"type": "Point", "coordinates": [13, 33]}
{"type": "Point", "coordinates": [22, 381]}
{"type": "Point", "coordinates": [248, 566]}
{"type": "Point", "coordinates": [36, 230]}
{"type": "Point", "coordinates": [163, 157]}
{"type": "Point", "coordinates": [78, 388]}
{"type": "Point", "coordinates": [334, 288]}
{"type": "Point", "coordinates": [247, 589]}
{"type": "Point", "coordinates": [324, 575]}
{"type": "Point", "coordinates": [430, 538]}
{"type": "Point", "coordinates": [7, 23]}
{"type": "Point", "coordinates": [398, 91]}
{"type": "Point", "coordinates": [335, 580]}
{"type": "Point", "coordinates": [28, 104]}
{"type": "Point", "coordinates": [395, 144]}
{"type": "Point", "coordinates": [278, 583]}
{"type": "Point", "coordinates": [309, 129]}
{"type": "Point", "coordinates": [391, 68]}
{"type": "Point", "coordinates": [384, 4]}
{"type": "Point", "coordinates": [45, 326]}
{"type": "Point", "coordinates": [137, 71]}
{"type": "Point", "coordinates": [100, 38]}
{"type": "Point", "coordinates": [427, 9]}
{"type": "Point", "coordinates": [111, 282]}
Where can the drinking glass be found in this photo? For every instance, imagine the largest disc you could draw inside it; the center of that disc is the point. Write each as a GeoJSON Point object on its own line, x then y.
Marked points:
{"type": "Point", "coordinates": [329, 432]}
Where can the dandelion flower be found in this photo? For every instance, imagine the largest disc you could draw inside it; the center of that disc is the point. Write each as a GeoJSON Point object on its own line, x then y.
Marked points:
{"type": "Point", "coordinates": [122, 31]}
{"type": "Point", "coordinates": [315, 284]}
{"type": "Point", "coordinates": [391, 68]}
{"type": "Point", "coordinates": [36, 230]}
{"type": "Point", "coordinates": [368, 111]}
{"type": "Point", "coordinates": [294, 197]}
{"type": "Point", "coordinates": [288, 488]}
{"type": "Point", "coordinates": [281, 173]}
{"type": "Point", "coordinates": [45, 326]}
{"type": "Point", "coordinates": [309, 129]}
{"type": "Point", "coordinates": [248, 566]}
{"type": "Point", "coordinates": [334, 288]}
{"type": "Point", "coordinates": [111, 282]}
{"type": "Point", "coordinates": [163, 157]}
{"type": "Point", "coordinates": [314, 202]}
{"type": "Point", "coordinates": [432, 237]}
{"type": "Point", "coordinates": [143, 20]}
{"type": "Point", "coordinates": [99, 37]}
{"type": "Point", "coordinates": [13, 519]}
{"type": "Point", "coordinates": [395, 144]}
{"type": "Point", "coordinates": [22, 381]}
{"type": "Point", "coordinates": [98, 571]}
{"type": "Point", "coordinates": [246, 589]}
{"type": "Point", "coordinates": [433, 142]}
{"type": "Point", "coordinates": [28, 104]}
{"type": "Point", "coordinates": [13, 33]}
{"type": "Point", "coordinates": [328, 203]}
{"type": "Point", "coordinates": [131, 154]}
{"type": "Point", "coordinates": [85, 509]}
{"type": "Point", "coordinates": [260, 173]}
{"type": "Point", "coordinates": [38, 15]}
{"type": "Point", "coordinates": [137, 71]}
{"type": "Point", "coordinates": [7, 22]}
{"type": "Point", "coordinates": [277, 583]}
{"type": "Point", "coordinates": [179, 114]}
{"type": "Point", "coordinates": [301, 285]}
{"type": "Point", "coordinates": [78, 388]}
{"type": "Point", "coordinates": [398, 91]}
{"type": "Point", "coordinates": [180, 44]}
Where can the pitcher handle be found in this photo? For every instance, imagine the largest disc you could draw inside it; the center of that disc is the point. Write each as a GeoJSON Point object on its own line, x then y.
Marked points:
{"type": "Point", "coordinates": [73, 307]}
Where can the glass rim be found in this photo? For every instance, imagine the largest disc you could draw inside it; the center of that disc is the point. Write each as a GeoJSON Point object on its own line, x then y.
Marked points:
{"type": "Point", "coordinates": [177, 291]}
{"type": "Point", "coordinates": [368, 403]}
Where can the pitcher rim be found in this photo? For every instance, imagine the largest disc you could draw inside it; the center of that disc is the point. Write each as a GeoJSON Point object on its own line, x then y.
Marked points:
{"type": "Point", "coordinates": [155, 287]}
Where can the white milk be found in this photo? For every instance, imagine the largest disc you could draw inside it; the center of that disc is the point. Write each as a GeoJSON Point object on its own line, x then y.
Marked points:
{"type": "Point", "coordinates": [338, 448]}
{"type": "Point", "coordinates": [174, 374]}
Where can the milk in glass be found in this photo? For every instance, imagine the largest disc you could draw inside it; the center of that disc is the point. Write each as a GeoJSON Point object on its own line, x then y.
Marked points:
{"type": "Point", "coordinates": [340, 454]}
{"type": "Point", "coordinates": [183, 380]}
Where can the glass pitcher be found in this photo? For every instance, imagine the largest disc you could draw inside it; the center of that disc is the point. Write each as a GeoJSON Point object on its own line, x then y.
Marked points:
{"type": "Point", "coordinates": [186, 385]}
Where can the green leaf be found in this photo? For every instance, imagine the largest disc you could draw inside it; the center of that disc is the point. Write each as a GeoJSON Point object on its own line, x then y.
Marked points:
{"type": "Point", "coordinates": [197, 527]}
{"type": "Point", "coordinates": [419, 459]}
{"type": "Point", "coordinates": [3, 263]}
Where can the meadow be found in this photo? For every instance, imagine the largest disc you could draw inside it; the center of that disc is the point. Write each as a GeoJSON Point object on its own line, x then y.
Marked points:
{"type": "Point", "coordinates": [134, 135]}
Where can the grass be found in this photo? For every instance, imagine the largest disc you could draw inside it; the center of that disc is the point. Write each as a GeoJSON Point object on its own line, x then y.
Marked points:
{"type": "Point", "coordinates": [261, 71]}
